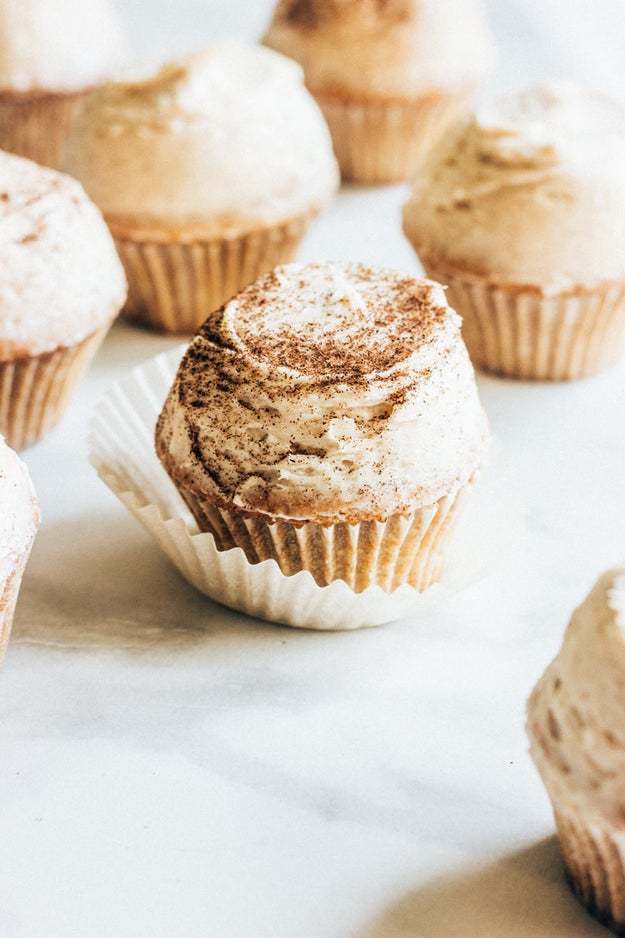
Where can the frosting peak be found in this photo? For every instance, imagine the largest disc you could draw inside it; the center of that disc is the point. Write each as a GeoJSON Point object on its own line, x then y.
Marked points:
{"type": "Point", "coordinates": [342, 387]}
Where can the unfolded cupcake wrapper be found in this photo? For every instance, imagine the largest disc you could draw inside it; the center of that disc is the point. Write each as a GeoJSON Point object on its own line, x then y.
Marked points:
{"type": "Point", "coordinates": [36, 126]}
{"type": "Point", "coordinates": [594, 858]}
{"type": "Point", "coordinates": [400, 549]}
{"type": "Point", "coordinates": [175, 285]}
{"type": "Point", "coordinates": [386, 141]}
{"type": "Point", "coordinates": [122, 451]}
{"type": "Point", "coordinates": [523, 333]}
{"type": "Point", "coordinates": [35, 391]}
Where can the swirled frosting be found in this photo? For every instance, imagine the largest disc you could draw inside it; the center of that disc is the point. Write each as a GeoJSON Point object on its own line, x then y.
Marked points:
{"type": "Point", "coordinates": [531, 189]}
{"type": "Point", "coordinates": [397, 48]}
{"type": "Point", "coordinates": [228, 135]}
{"type": "Point", "coordinates": [19, 512]}
{"type": "Point", "coordinates": [58, 45]}
{"type": "Point", "coordinates": [60, 277]}
{"type": "Point", "coordinates": [326, 392]}
{"type": "Point", "coordinates": [576, 718]}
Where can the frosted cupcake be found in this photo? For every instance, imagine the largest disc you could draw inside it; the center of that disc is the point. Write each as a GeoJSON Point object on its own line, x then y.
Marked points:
{"type": "Point", "coordinates": [576, 725]}
{"type": "Point", "coordinates": [327, 417]}
{"type": "Point", "coordinates": [389, 75]}
{"type": "Point", "coordinates": [19, 519]}
{"type": "Point", "coordinates": [52, 52]}
{"type": "Point", "coordinates": [521, 211]}
{"type": "Point", "coordinates": [208, 170]}
{"type": "Point", "coordinates": [61, 285]}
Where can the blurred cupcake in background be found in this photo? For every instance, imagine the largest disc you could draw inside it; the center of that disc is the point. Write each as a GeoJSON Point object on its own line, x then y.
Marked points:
{"type": "Point", "coordinates": [19, 520]}
{"type": "Point", "coordinates": [209, 170]}
{"type": "Point", "coordinates": [61, 286]}
{"type": "Point", "coordinates": [389, 75]}
{"type": "Point", "coordinates": [51, 53]}
{"type": "Point", "coordinates": [576, 726]}
{"type": "Point", "coordinates": [520, 211]}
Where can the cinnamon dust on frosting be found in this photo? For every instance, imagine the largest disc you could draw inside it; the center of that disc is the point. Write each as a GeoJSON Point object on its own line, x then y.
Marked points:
{"type": "Point", "coordinates": [326, 392]}
{"type": "Point", "coordinates": [61, 278]}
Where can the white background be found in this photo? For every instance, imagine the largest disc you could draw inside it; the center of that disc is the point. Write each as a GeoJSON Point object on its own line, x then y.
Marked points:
{"type": "Point", "coordinates": [171, 768]}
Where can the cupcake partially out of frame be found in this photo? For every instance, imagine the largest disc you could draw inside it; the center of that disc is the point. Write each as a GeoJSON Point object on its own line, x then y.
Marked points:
{"type": "Point", "coordinates": [52, 52]}
{"type": "Point", "coordinates": [576, 726]}
{"type": "Point", "coordinates": [19, 520]}
{"type": "Point", "coordinates": [61, 286]}
{"type": "Point", "coordinates": [389, 75]}
{"type": "Point", "coordinates": [208, 170]}
{"type": "Point", "coordinates": [327, 417]}
{"type": "Point", "coordinates": [520, 210]}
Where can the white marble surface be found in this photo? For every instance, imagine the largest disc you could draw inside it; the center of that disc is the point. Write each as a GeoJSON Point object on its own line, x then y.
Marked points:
{"type": "Point", "coordinates": [171, 768]}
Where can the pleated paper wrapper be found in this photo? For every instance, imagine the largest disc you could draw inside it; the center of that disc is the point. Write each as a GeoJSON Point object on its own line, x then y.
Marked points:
{"type": "Point", "coordinates": [387, 141]}
{"type": "Point", "coordinates": [519, 332]}
{"type": "Point", "coordinates": [122, 452]}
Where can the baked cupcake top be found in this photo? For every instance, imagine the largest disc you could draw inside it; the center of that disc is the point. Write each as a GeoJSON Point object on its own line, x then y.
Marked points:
{"type": "Point", "coordinates": [576, 718]}
{"type": "Point", "coordinates": [384, 48]}
{"type": "Point", "coordinates": [58, 45]}
{"type": "Point", "coordinates": [326, 392]}
{"type": "Point", "coordinates": [60, 277]}
{"type": "Point", "coordinates": [223, 138]}
{"type": "Point", "coordinates": [529, 190]}
{"type": "Point", "coordinates": [19, 511]}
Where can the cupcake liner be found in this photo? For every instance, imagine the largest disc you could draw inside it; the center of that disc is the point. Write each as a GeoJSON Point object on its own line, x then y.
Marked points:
{"type": "Point", "coordinates": [175, 285]}
{"type": "Point", "coordinates": [122, 451]}
{"type": "Point", "coordinates": [386, 553]}
{"type": "Point", "coordinates": [35, 391]}
{"type": "Point", "coordinates": [386, 141]}
{"type": "Point", "coordinates": [594, 858]}
{"type": "Point", "coordinates": [522, 333]}
{"type": "Point", "coordinates": [35, 126]}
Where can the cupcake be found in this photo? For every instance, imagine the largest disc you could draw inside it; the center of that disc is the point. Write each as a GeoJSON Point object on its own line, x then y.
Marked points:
{"type": "Point", "coordinates": [208, 170]}
{"type": "Point", "coordinates": [576, 726]}
{"type": "Point", "coordinates": [51, 53]}
{"type": "Point", "coordinates": [520, 210]}
{"type": "Point", "coordinates": [61, 285]}
{"type": "Point", "coordinates": [19, 519]}
{"type": "Point", "coordinates": [389, 75]}
{"type": "Point", "coordinates": [327, 417]}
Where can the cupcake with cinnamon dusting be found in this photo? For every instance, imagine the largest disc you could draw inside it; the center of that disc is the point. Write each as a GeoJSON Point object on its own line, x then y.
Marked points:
{"type": "Point", "coordinates": [389, 75]}
{"type": "Point", "coordinates": [327, 417]}
{"type": "Point", "coordinates": [61, 287]}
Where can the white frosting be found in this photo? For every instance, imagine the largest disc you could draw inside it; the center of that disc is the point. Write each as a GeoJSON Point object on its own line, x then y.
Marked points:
{"type": "Point", "coordinates": [576, 717]}
{"type": "Point", "coordinates": [60, 277]}
{"type": "Point", "coordinates": [531, 189]}
{"type": "Point", "coordinates": [226, 134]}
{"type": "Point", "coordinates": [397, 48]}
{"type": "Point", "coordinates": [58, 45]}
{"type": "Point", "coordinates": [333, 390]}
{"type": "Point", "coordinates": [19, 513]}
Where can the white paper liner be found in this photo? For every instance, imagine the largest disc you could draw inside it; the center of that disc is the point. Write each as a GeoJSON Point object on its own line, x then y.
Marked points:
{"type": "Point", "coordinates": [122, 452]}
